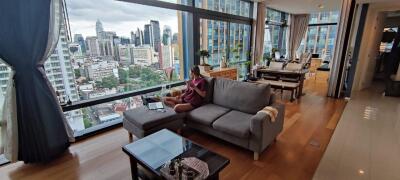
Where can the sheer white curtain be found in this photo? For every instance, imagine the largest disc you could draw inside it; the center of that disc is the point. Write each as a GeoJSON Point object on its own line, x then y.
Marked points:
{"type": "Point", "coordinates": [298, 28]}
{"type": "Point", "coordinates": [8, 121]}
{"type": "Point", "coordinates": [56, 17]}
{"type": "Point", "coordinates": [260, 30]}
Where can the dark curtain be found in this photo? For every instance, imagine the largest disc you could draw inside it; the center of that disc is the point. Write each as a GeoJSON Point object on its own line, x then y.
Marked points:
{"type": "Point", "coordinates": [23, 41]}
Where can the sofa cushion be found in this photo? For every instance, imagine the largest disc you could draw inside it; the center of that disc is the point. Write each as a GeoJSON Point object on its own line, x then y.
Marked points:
{"type": "Point", "coordinates": [145, 119]}
{"type": "Point", "coordinates": [234, 123]}
{"type": "Point", "coordinates": [206, 114]}
{"type": "Point", "coordinates": [241, 96]}
{"type": "Point", "coordinates": [209, 89]}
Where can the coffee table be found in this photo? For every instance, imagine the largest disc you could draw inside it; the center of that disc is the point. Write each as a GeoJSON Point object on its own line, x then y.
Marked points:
{"type": "Point", "coordinates": [153, 151]}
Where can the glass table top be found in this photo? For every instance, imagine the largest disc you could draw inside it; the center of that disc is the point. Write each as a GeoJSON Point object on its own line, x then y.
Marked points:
{"type": "Point", "coordinates": [156, 149]}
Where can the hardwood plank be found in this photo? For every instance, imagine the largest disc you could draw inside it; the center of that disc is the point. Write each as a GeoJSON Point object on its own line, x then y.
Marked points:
{"type": "Point", "coordinates": [335, 119]}
{"type": "Point", "coordinates": [311, 119]}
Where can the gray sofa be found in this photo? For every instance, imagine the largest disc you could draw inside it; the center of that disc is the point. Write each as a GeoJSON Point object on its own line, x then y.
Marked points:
{"type": "Point", "coordinates": [230, 113]}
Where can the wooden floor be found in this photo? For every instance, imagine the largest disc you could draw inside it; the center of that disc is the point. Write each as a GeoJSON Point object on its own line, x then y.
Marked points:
{"type": "Point", "coordinates": [309, 125]}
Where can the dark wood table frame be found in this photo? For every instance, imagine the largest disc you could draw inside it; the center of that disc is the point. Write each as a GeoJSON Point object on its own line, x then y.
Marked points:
{"type": "Point", "coordinates": [282, 73]}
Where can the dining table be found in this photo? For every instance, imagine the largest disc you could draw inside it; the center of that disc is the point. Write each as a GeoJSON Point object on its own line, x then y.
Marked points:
{"type": "Point", "coordinates": [280, 74]}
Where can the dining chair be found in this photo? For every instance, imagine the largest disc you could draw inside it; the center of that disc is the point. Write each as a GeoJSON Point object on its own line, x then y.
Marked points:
{"type": "Point", "coordinates": [275, 65]}
{"type": "Point", "coordinates": [294, 66]}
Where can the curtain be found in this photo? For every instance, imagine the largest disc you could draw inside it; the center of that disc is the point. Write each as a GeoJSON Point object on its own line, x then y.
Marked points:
{"type": "Point", "coordinates": [54, 31]}
{"type": "Point", "coordinates": [24, 46]}
{"type": "Point", "coordinates": [298, 28]}
{"type": "Point", "coordinates": [260, 30]}
{"type": "Point", "coordinates": [8, 121]}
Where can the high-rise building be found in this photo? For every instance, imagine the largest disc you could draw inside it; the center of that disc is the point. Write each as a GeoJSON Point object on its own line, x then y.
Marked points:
{"type": "Point", "coordinates": [60, 73]}
{"type": "Point", "coordinates": [75, 49]}
{"type": "Point", "coordinates": [107, 35]}
{"type": "Point", "coordinates": [147, 34]}
{"type": "Point", "coordinates": [175, 38]}
{"type": "Point", "coordinates": [320, 38]}
{"type": "Point", "coordinates": [214, 39]}
{"type": "Point", "coordinates": [125, 54]}
{"type": "Point", "coordinates": [59, 68]}
{"type": "Point", "coordinates": [156, 35]}
{"type": "Point", "coordinates": [168, 56]}
{"type": "Point", "coordinates": [93, 46]}
{"type": "Point", "coordinates": [167, 35]}
{"type": "Point", "coordinates": [99, 28]}
{"type": "Point", "coordinates": [96, 71]}
{"type": "Point", "coordinates": [133, 37]}
{"type": "Point", "coordinates": [156, 41]}
{"type": "Point", "coordinates": [5, 71]}
{"type": "Point", "coordinates": [125, 40]}
{"type": "Point", "coordinates": [222, 38]}
{"type": "Point", "coordinates": [106, 47]}
{"type": "Point", "coordinates": [144, 55]}
{"type": "Point", "coordinates": [116, 42]}
{"type": "Point", "coordinates": [139, 39]}
{"type": "Point", "coordinates": [78, 38]}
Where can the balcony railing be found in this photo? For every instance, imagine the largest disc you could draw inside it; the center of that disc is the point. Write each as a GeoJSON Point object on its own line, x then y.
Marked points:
{"type": "Point", "coordinates": [109, 98]}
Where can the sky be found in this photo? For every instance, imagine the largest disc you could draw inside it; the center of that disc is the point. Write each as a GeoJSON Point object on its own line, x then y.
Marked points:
{"type": "Point", "coordinates": [121, 17]}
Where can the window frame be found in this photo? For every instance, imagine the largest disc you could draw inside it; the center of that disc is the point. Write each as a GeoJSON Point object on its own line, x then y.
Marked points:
{"type": "Point", "coordinates": [197, 14]}
{"type": "Point", "coordinates": [318, 26]}
{"type": "Point", "coordinates": [196, 34]}
{"type": "Point", "coordinates": [284, 20]}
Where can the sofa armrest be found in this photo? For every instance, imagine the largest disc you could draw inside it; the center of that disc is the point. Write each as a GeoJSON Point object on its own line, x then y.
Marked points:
{"type": "Point", "coordinates": [263, 130]}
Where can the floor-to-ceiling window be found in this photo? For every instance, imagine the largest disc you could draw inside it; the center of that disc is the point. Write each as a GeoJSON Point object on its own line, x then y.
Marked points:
{"type": "Point", "coordinates": [106, 54]}
{"type": "Point", "coordinates": [214, 39]}
{"type": "Point", "coordinates": [276, 29]}
{"type": "Point", "coordinates": [226, 38]}
{"type": "Point", "coordinates": [111, 52]}
{"type": "Point", "coordinates": [321, 34]}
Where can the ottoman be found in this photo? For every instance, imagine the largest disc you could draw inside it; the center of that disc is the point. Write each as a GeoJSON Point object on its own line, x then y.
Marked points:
{"type": "Point", "coordinates": [142, 121]}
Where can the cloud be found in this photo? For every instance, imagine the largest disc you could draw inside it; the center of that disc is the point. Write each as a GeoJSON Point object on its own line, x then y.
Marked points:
{"type": "Point", "coordinates": [121, 17]}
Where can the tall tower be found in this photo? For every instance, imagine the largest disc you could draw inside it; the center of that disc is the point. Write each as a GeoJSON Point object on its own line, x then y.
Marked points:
{"type": "Point", "coordinates": [147, 34]}
{"type": "Point", "coordinates": [5, 71]}
{"type": "Point", "coordinates": [139, 37]}
{"type": "Point", "coordinates": [156, 33]}
{"type": "Point", "coordinates": [167, 35]}
{"type": "Point", "coordinates": [99, 28]}
{"type": "Point", "coordinates": [60, 73]}
{"type": "Point", "coordinates": [93, 46]}
{"type": "Point", "coordinates": [78, 38]}
{"type": "Point", "coordinates": [133, 37]}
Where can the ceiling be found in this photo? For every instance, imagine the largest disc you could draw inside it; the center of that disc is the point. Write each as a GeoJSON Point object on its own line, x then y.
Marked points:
{"type": "Point", "coordinates": [304, 6]}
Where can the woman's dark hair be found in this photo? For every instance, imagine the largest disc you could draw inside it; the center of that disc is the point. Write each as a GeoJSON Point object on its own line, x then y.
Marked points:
{"type": "Point", "coordinates": [195, 70]}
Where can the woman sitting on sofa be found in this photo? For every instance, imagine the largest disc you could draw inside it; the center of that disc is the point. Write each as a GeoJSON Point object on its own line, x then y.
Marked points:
{"type": "Point", "coordinates": [193, 96]}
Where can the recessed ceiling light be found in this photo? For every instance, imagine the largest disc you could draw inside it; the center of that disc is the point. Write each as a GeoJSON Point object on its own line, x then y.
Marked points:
{"type": "Point", "coordinates": [361, 172]}
{"type": "Point", "coordinates": [321, 6]}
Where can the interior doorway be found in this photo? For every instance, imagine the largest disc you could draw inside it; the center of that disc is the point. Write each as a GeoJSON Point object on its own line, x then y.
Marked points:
{"type": "Point", "coordinates": [373, 56]}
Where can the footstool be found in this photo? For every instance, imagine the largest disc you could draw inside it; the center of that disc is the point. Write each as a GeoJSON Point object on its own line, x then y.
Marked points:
{"type": "Point", "coordinates": [142, 121]}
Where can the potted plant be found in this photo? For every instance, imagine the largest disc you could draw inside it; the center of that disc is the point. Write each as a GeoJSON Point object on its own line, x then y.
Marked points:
{"type": "Point", "coordinates": [266, 59]}
{"type": "Point", "coordinates": [236, 52]}
{"type": "Point", "coordinates": [204, 66]}
{"type": "Point", "coordinates": [273, 50]}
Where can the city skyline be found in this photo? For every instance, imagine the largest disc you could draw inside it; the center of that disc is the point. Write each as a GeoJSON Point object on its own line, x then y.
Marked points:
{"type": "Point", "coordinates": [119, 17]}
